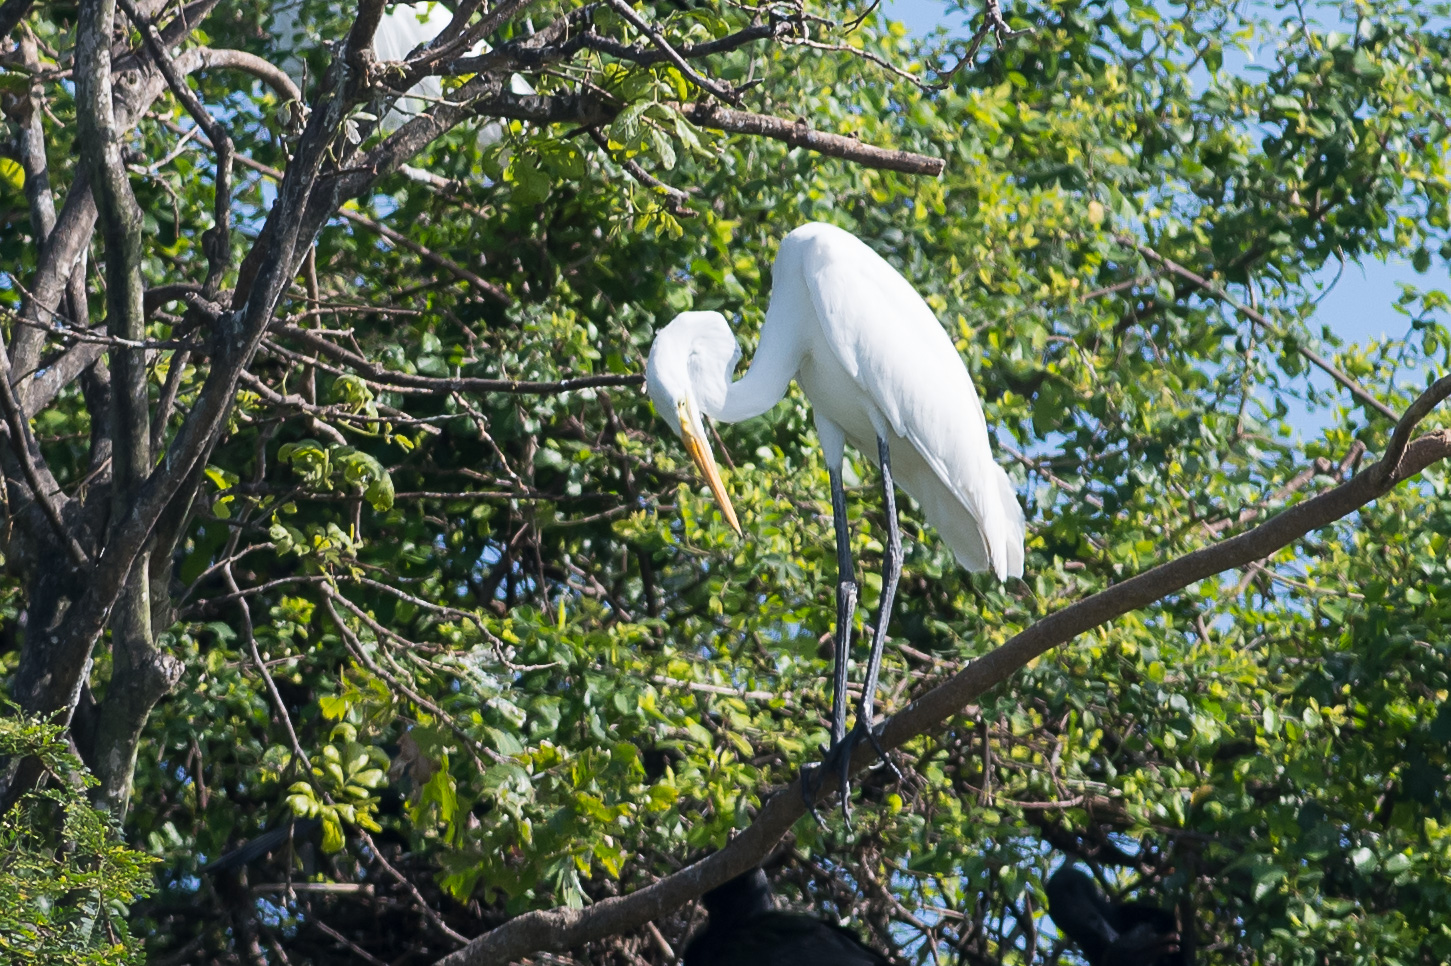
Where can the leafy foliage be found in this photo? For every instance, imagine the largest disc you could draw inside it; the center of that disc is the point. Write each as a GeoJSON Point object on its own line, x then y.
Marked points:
{"type": "Point", "coordinates": [503, 646]}
{"type": "Point", "coordinates": [66, 879]}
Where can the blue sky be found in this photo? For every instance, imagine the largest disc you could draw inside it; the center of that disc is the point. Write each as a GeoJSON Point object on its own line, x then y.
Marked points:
{"type": "Point", "coordinates": [1359, 307]}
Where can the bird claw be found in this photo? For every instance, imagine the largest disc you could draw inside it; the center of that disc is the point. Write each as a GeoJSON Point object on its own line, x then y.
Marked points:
{"type": "Point", "coordinates": [811, 778]}
{"type": "Point", "coordinates": [875, 738]}
{"type": "Point", "coordinates": [838, 758]}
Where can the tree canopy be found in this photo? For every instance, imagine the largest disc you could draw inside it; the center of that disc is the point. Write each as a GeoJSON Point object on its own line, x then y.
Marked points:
{"type": "Point", "coordinates": [337, 522]}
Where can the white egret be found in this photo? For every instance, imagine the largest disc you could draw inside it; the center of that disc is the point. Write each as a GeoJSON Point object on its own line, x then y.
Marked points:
{"type": "Point", "coordinates": [881, 374]}
{"type": "Point", "coordinates": [403, 28]}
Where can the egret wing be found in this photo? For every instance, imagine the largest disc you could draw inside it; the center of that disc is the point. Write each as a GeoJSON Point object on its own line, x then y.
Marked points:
{"type": "Point", "coordinates": [892, 346]}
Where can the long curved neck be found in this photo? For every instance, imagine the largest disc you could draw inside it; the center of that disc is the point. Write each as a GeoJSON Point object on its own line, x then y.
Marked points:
{"type": "Point", "coordinates": [777, 358]}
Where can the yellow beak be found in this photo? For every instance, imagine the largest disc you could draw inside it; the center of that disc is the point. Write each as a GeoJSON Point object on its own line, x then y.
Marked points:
{"type": "Point", "coordinates": [699, 451]}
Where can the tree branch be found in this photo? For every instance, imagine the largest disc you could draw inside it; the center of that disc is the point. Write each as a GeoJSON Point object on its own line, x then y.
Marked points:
{"type": "Point", "coordinates": [264, 70]}
{"type": "Point", "coordinates": [429, 255]}
{"type": "Point", "coordinates": [559, 929]}
{"type": "Point", "coordinates": [50, 679]}
{"type": "Point", "coordinates": [727, 93]}
{"type": "Point", "coordinates": [216, 243]}
{"type": "Point", "coordinates": [799, 134]}
{"type": "Point", "coordinates": [11, 13]}
{"type": "Point", "coordinates": [1390, 464]}
{"type": "Point", "coordinates": [42, 485]}
{"type": "Point", "coordinates": [432, 384]}
{"type": "Point", "coordinates": [120, 218]}
{"type": "Point", "coordinates": [679, 199]}
{"type": "Point", "coordinates": [1356, 389]}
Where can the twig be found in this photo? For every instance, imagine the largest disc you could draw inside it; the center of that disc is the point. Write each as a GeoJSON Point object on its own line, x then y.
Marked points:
{"type": "Point", "coordinates": [727, 94]}
{"type": "Point", "coordinates": [644, 177]}
{"type": "Point", "coordinates": [992, 23]}
{"type": "Point", "coordinates": [428, 255]}
{"type": "Point", "coordinates": [423, 906]}
{"type": "Point", "coordinates": [434, 384]}
{"type": "Point", "coordinates": [866, 55]}
{"type": "Point", "coordinates": [1356, 389]}
{"type": "Point", "coordinates": [175, 369]}
{"type": "Point", "coordinates": [249, 638]}
{"type": "Point", "coordinates": [347, 943]}
{"type": "Point", "coordinates": [96, 336]}
{"type": "Point", "coordinates": [660, 943]}
{"type": "Point", "coordinates": [478, 751]}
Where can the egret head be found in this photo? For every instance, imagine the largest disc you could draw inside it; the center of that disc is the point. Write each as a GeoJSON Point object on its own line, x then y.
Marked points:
{"type": "Point", "coordinates": [688, 374]}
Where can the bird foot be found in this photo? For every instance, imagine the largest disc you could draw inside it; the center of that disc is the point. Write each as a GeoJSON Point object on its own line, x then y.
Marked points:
{"type": "Point", "coordinates": [860, 731]}
{"type": "Point", "coordinates": [838, 760]}
{"type": "Point", "coordinates": [812, 776]}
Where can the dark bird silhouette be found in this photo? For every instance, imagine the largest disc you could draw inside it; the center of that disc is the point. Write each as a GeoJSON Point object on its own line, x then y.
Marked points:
{"type": "Point", "coordinates": [1115, 933]}
{"type": "Point", "coordinates": [746, 930]}
{"type": "Point", "coordinates": [253, 849]}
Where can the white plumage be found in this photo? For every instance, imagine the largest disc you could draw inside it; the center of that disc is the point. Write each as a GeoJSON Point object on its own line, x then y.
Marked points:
{"type": "Point", "coordinates": [881, 374]}
{"type": "Point", "coordinates": [403, 28]}
{"type": "Point", "coordinates": [874, 361]}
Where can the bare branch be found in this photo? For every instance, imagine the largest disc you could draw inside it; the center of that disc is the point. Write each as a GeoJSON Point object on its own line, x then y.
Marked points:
{"type": "Point", "coordinates": [27, 454]}
{"type": "Point", "coordinates": [486, 96]}
{"type": "Point", "coordinates": [645, 56]}
{"type": "Point", "coordinates": [264, 70]}
{"type": "Point", "coordinates": [992, 23]}
{"type": "Point", "coordinates": [175, 368]}
{"type": "Point", "coordinates": [800, 135]}
{"type": "Point", "coordinates": [443, 384]}
{"type": "Point", "coordinates": [277, 399]}
{"type": "Point", "coordinates": [866, 55]}
{"type": "Point", "coordinates": [428, 255]}
{"type": "Point", "coordinates": [43, 388]}
{"type": "Point", "coordinates": [476, 750]}
{"type": "Point", "coordinates": [559, 929]}
{"type": "Point", "coordinates": [1390, 463]}
{"type": "Point", "coordinates": [460, 36]}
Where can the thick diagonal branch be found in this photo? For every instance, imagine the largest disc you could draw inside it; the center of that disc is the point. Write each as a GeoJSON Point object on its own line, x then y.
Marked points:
{"type": "Point", "coordinates": [799, 134]}
{"type": "Point", "coordinates": [487, 97]}
{"type": "Point", "coordinates": [559, 929]}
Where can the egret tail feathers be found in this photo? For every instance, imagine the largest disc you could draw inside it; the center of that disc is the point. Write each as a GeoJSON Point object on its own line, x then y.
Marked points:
{"type": "Point", "coordinates": [1008, 537]}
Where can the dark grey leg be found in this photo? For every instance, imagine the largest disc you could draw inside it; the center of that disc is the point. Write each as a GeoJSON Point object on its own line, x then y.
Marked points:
{"type": "Point", "coordinates": [891, 572]}
{"type": "Point", "coordinates": [846, 597]}
{"type": "Point", "coordinates": [841, 752]}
